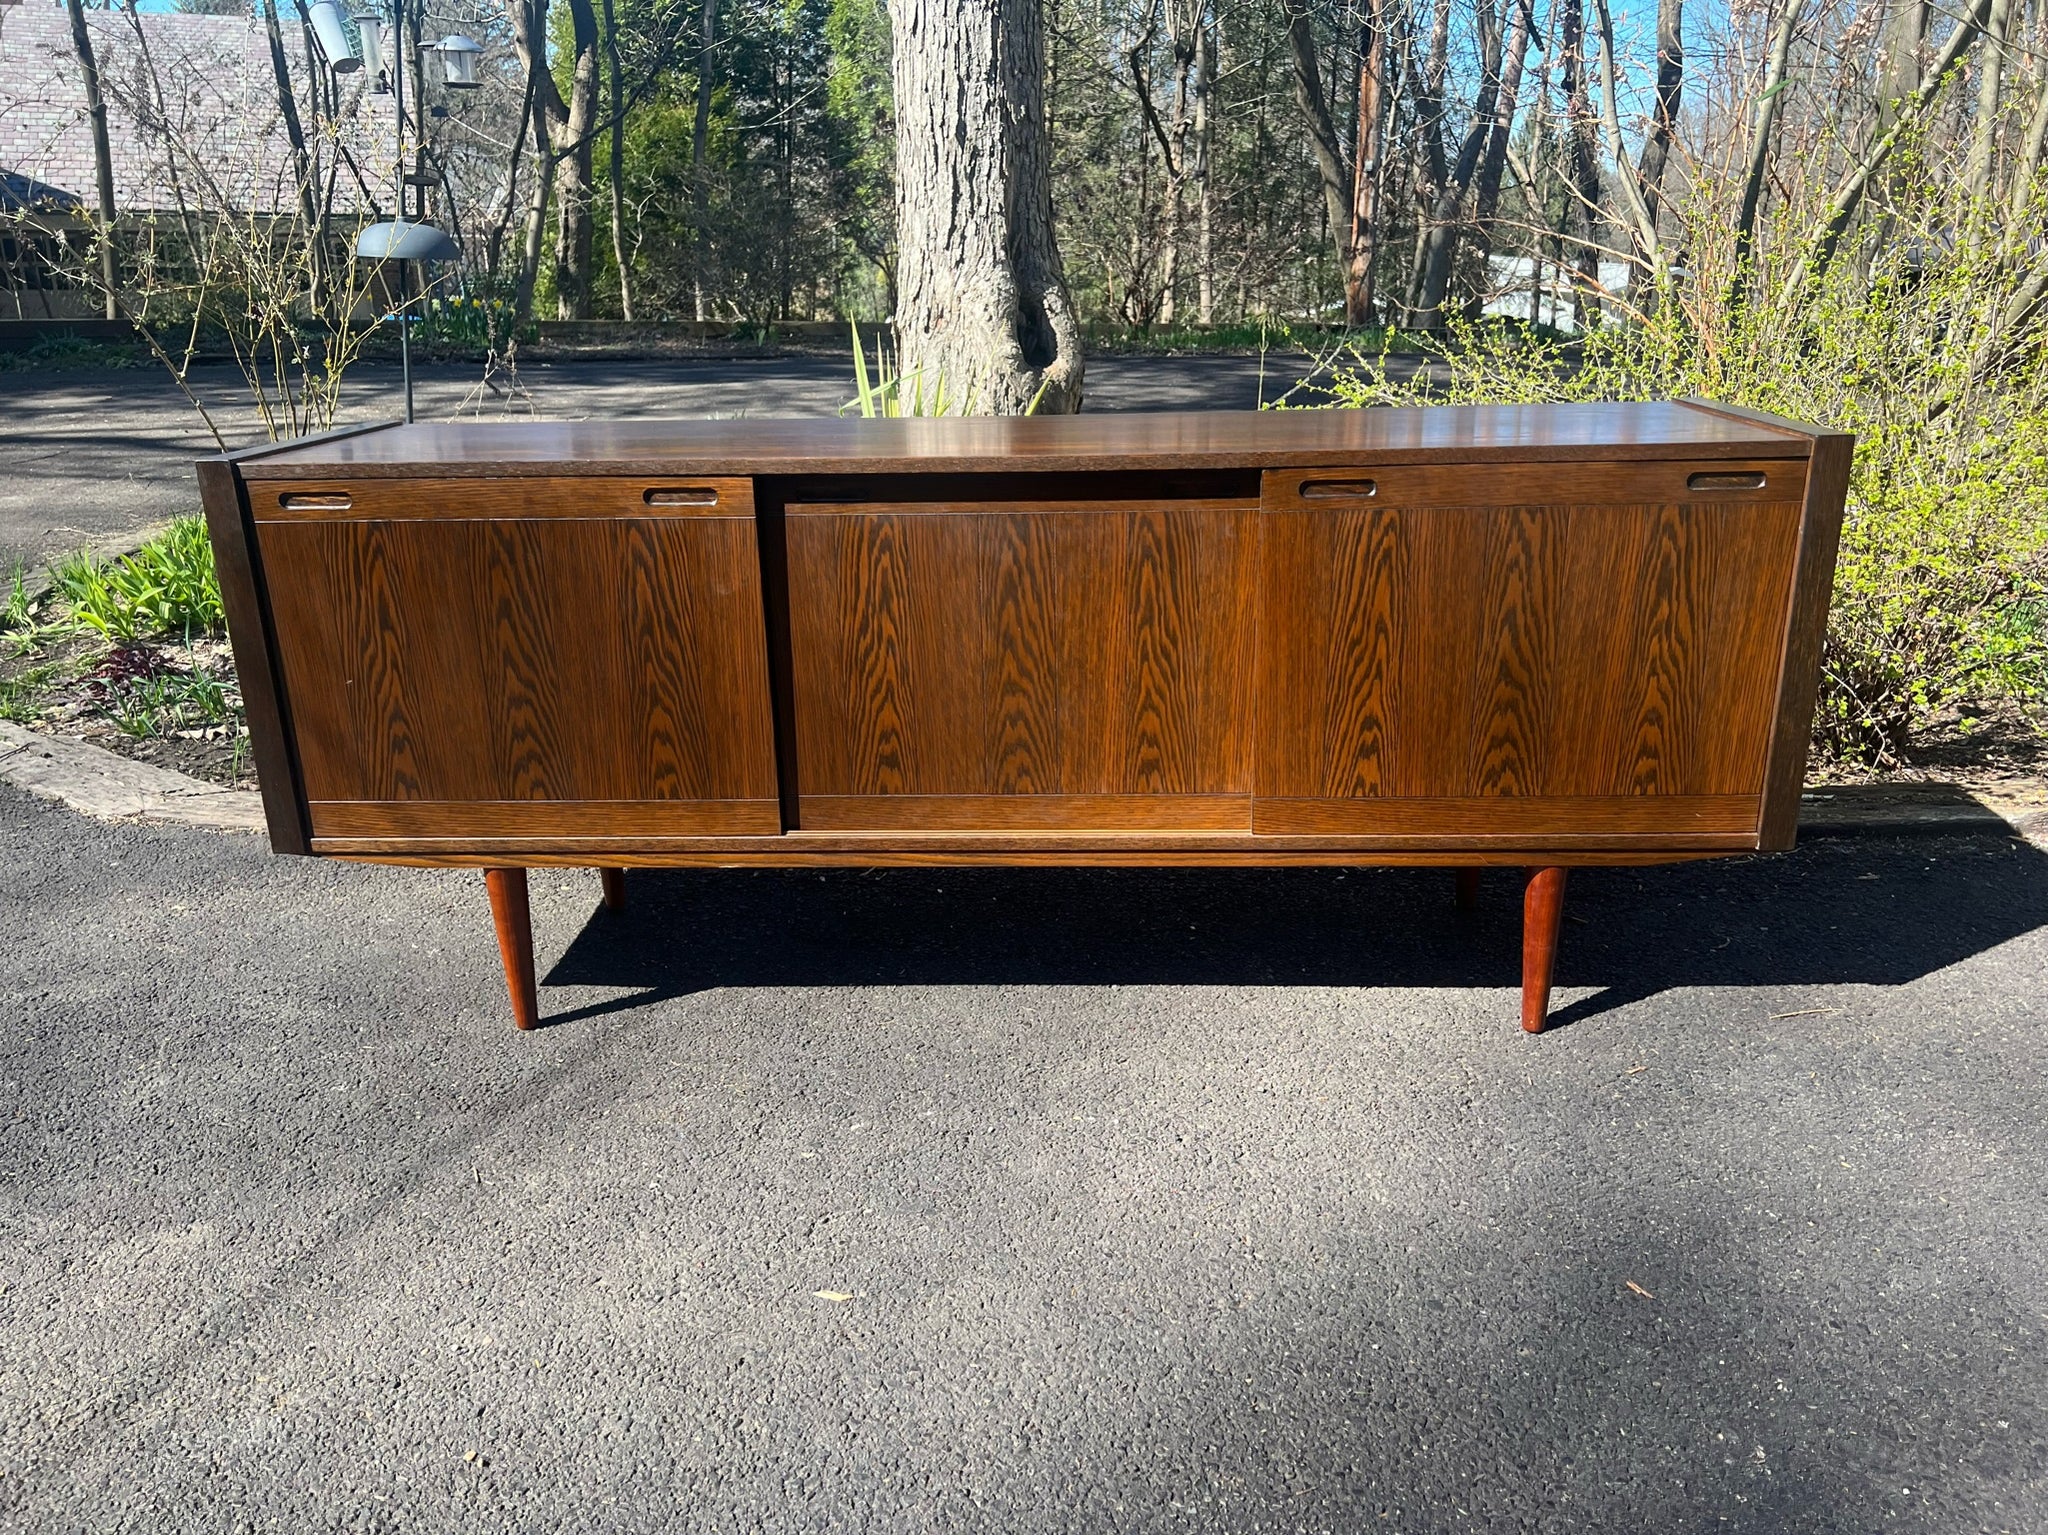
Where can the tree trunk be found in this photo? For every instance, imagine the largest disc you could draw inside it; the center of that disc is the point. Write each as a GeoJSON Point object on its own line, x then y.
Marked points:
{"type": "Point", "coordinates": [1664, 119]}
{"type": "Point", "coordinates": [1493, 163]}
{"type": "Point", "coordinates": [1990, 82]}
{"type": "Point", "coordinates": [530, 36]}
{"type": "Point", "coordinates": [700, 138]}
{"type": "Point", "coordinates": [1365, 167]}
{"type": "Point", "coordinates": [1446, 218]}
{"type": "Point", "coordinates": [1760, 147]}
{"type": "Point", "coordinates": [1583, 181]}
{"type": "Point", "coordinates": [1205, 197]}
{"type": "Point", "coordinates": [1322, 132]}
{"type": "Point", "coordinates": [576, 148]}
{"type": "Point", "coordinates": [1434, 165]}
{"type": "Point", "coordinates": [983, 304]}
{"type": "Point", "coordinates": [302, 162]}
{"type": "Point", "coordinates": [102, 152]}
{"type": "Point", "coordinates": [617, 166]}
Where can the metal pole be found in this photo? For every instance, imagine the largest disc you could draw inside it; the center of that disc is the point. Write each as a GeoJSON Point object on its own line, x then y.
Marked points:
{"type": "Point", "coordinates": [404, 273]}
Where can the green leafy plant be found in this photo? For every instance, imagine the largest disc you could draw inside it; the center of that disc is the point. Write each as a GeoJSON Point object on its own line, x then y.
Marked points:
{"type": "Point", "coordinates": [886, 394]}
{"type": "Point", "coordinates": [18, 611]}
{"type": "Point", "coordinates": [1930, 351]}
{"type": "Point", "coordinates": [168, 586]}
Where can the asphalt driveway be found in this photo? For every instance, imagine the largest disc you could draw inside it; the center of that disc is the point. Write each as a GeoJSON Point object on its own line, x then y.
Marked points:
{"type": "Point", "coordinates": [1160, 1201]}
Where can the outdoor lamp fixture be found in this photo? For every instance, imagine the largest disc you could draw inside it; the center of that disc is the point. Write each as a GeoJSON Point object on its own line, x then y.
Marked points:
{"type": "Point", "coordinates": [370, 27]}
{"type": "Point", "coordinates": [458, 56]}
{"type": "Point", "coordinates": [399, 239]}
{"type": "Point", "coordinates": [331, 34]}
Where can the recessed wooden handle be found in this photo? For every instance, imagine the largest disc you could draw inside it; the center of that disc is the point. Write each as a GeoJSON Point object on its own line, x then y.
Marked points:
{"type": "Point", "coordinates": [1349, 490]}
{"type": "Point", "coordinates": [1740, 479]}
{"type": "Point", "coordinates": [315, 500]}
{"type": "Point", "coordinates": [681, 495]}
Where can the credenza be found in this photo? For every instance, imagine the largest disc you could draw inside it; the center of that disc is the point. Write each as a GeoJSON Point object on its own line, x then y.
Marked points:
{"type": "Point", "coordinates": [1535, 636]}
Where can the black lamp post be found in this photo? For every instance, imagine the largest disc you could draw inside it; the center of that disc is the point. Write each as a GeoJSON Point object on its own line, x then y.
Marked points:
{"type": "Point", "coordinates": [399, 239]}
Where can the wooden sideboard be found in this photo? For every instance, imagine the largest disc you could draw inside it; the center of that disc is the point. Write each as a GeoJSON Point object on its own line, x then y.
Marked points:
{"type": "Point", "coordinates": [1537, 636]}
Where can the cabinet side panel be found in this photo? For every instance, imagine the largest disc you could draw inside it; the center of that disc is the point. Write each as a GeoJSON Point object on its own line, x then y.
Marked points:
{"type": "Point", "coordinates": [1820, 532]}
{"type": "Point", "coordinates": [237, 562]}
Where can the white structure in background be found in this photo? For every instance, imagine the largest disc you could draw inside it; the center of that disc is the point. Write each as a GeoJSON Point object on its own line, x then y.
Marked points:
{"type": "Point", "coordinates": [1515, 279]}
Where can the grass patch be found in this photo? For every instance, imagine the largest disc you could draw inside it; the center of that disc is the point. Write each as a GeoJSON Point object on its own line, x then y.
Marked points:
{"type": "Point", "coordinates": [61, 351]}
{"type": "Point", "coordinates": [1254, 336]}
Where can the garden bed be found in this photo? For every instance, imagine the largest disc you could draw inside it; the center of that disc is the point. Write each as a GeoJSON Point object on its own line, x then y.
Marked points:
{"type": "Point", "coordinates": [130, 655]}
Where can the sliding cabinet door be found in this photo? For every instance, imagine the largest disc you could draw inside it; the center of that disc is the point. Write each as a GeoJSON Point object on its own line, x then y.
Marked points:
{"type": "Point", "coordinates": [521, 663]}
{"type": "Point", "coordinates": [1531, 655]}
{"type": "Point", "coordinates": [1020, 653]}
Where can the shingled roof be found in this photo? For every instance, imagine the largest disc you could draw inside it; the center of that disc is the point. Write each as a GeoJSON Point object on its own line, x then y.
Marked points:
{"type": "Point", "coordinates": [217, 131]}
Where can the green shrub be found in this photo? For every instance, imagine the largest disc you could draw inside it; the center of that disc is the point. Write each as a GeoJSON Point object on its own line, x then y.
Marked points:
{"type": "Point", "coordinates": [1925, 345]}
{"type": "Point", "coordinates": [168, 586]}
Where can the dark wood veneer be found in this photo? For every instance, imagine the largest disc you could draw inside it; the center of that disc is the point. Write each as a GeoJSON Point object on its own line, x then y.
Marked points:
{"type": "Point", "coordinates": [1475, 636]}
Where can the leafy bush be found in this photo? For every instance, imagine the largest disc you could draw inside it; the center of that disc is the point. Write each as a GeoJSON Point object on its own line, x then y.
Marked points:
{"type": "Point", "coordinates": [1926, 346]}
{"type": "Point", "coordinates": [168, 586]}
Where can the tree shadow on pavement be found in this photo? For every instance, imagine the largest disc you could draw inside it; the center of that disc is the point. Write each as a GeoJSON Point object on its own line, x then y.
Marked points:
{"type": "Point", "coordinates": [1875, 911]}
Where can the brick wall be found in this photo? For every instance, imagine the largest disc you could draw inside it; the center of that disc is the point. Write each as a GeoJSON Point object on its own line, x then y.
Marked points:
{"type": "Point", "coordinates": [219, 132]}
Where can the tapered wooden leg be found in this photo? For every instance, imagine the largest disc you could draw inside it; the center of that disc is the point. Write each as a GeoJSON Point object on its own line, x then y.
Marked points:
{"type": "Point", "coordinates": [1468, 889]}
{"type": "Point", "coordinates": [1542, 911]}
{"type": "Point", "coordinates": [515, 940]}
{"type": "Point", "coordinates": [614, 888]}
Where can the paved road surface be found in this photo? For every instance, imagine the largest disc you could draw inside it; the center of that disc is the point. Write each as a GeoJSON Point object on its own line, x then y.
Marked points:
{"type": "Point", "coordinates": [1167, 1201]}
{"type": "Point", "coordinates": [94, 457]}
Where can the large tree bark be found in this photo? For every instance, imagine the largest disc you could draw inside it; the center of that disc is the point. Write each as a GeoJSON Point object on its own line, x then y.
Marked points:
{"type": "Point", "coordinates": [1493, 162]}
{"type": "Point", "coordinates": [1432, 172]}
{"type": "Point", "coordinates": [1583, 170]}
{"type": "Point", "coordinates": [1664, 120]}
{"type": "Point", "coordinates": [575, 135]}
{"type": "Point", "coordinates": [1990, 85]}
{"type": "Point", "coordinates": [1365, 166]}
{"type": "Point", "coordinates": [1446, 222]}
{"type": "Point", "coordinates": [1760, 146]}
{"type": "Point", "coordinates": [983, 304]}
{"type": "Point", "coordinates": [102, 152]}
{"type": "Point", "coordinates": [1322, 131]}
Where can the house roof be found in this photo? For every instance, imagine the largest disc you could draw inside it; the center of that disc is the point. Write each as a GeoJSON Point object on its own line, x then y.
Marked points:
{"type": "Point", "coordinates": [213, 129]}
{"type": "Point", "coordinates": [25, 194]}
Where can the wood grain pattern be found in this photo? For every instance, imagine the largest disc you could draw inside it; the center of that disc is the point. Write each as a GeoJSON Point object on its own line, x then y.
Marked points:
{"type": "Point", "coordinates": [1512, 816]}
{"type": "Point", "coordinates": [513, 819]}
{"type": "Point", "coordinates": [270, 734]}
{"type": "Point", "coordinates": [1028, 811]}
{"type": "Point", "coordinates": [1554, 651]}
{"type": "Point", "coordinates": [1540, 484]}
{"type": "Point", "coordinates": [431, 497]}
{"type": "Point", "coordinates": [1086, 653]}
{"type": "Point", "coordinates": [1166, 440]}
{"type": "Point", "coordinates": [524, 659]}
{"type": "Point", "coordinates": [798, 850]}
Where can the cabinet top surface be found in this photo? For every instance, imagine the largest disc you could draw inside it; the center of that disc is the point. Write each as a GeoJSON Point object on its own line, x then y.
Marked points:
{"type": "Point", "coordinates": [1165, 440]}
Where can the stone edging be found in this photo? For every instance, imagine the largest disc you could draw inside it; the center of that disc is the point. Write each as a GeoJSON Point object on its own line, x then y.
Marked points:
{"type": "Point", "coordinates": [110, 787]}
